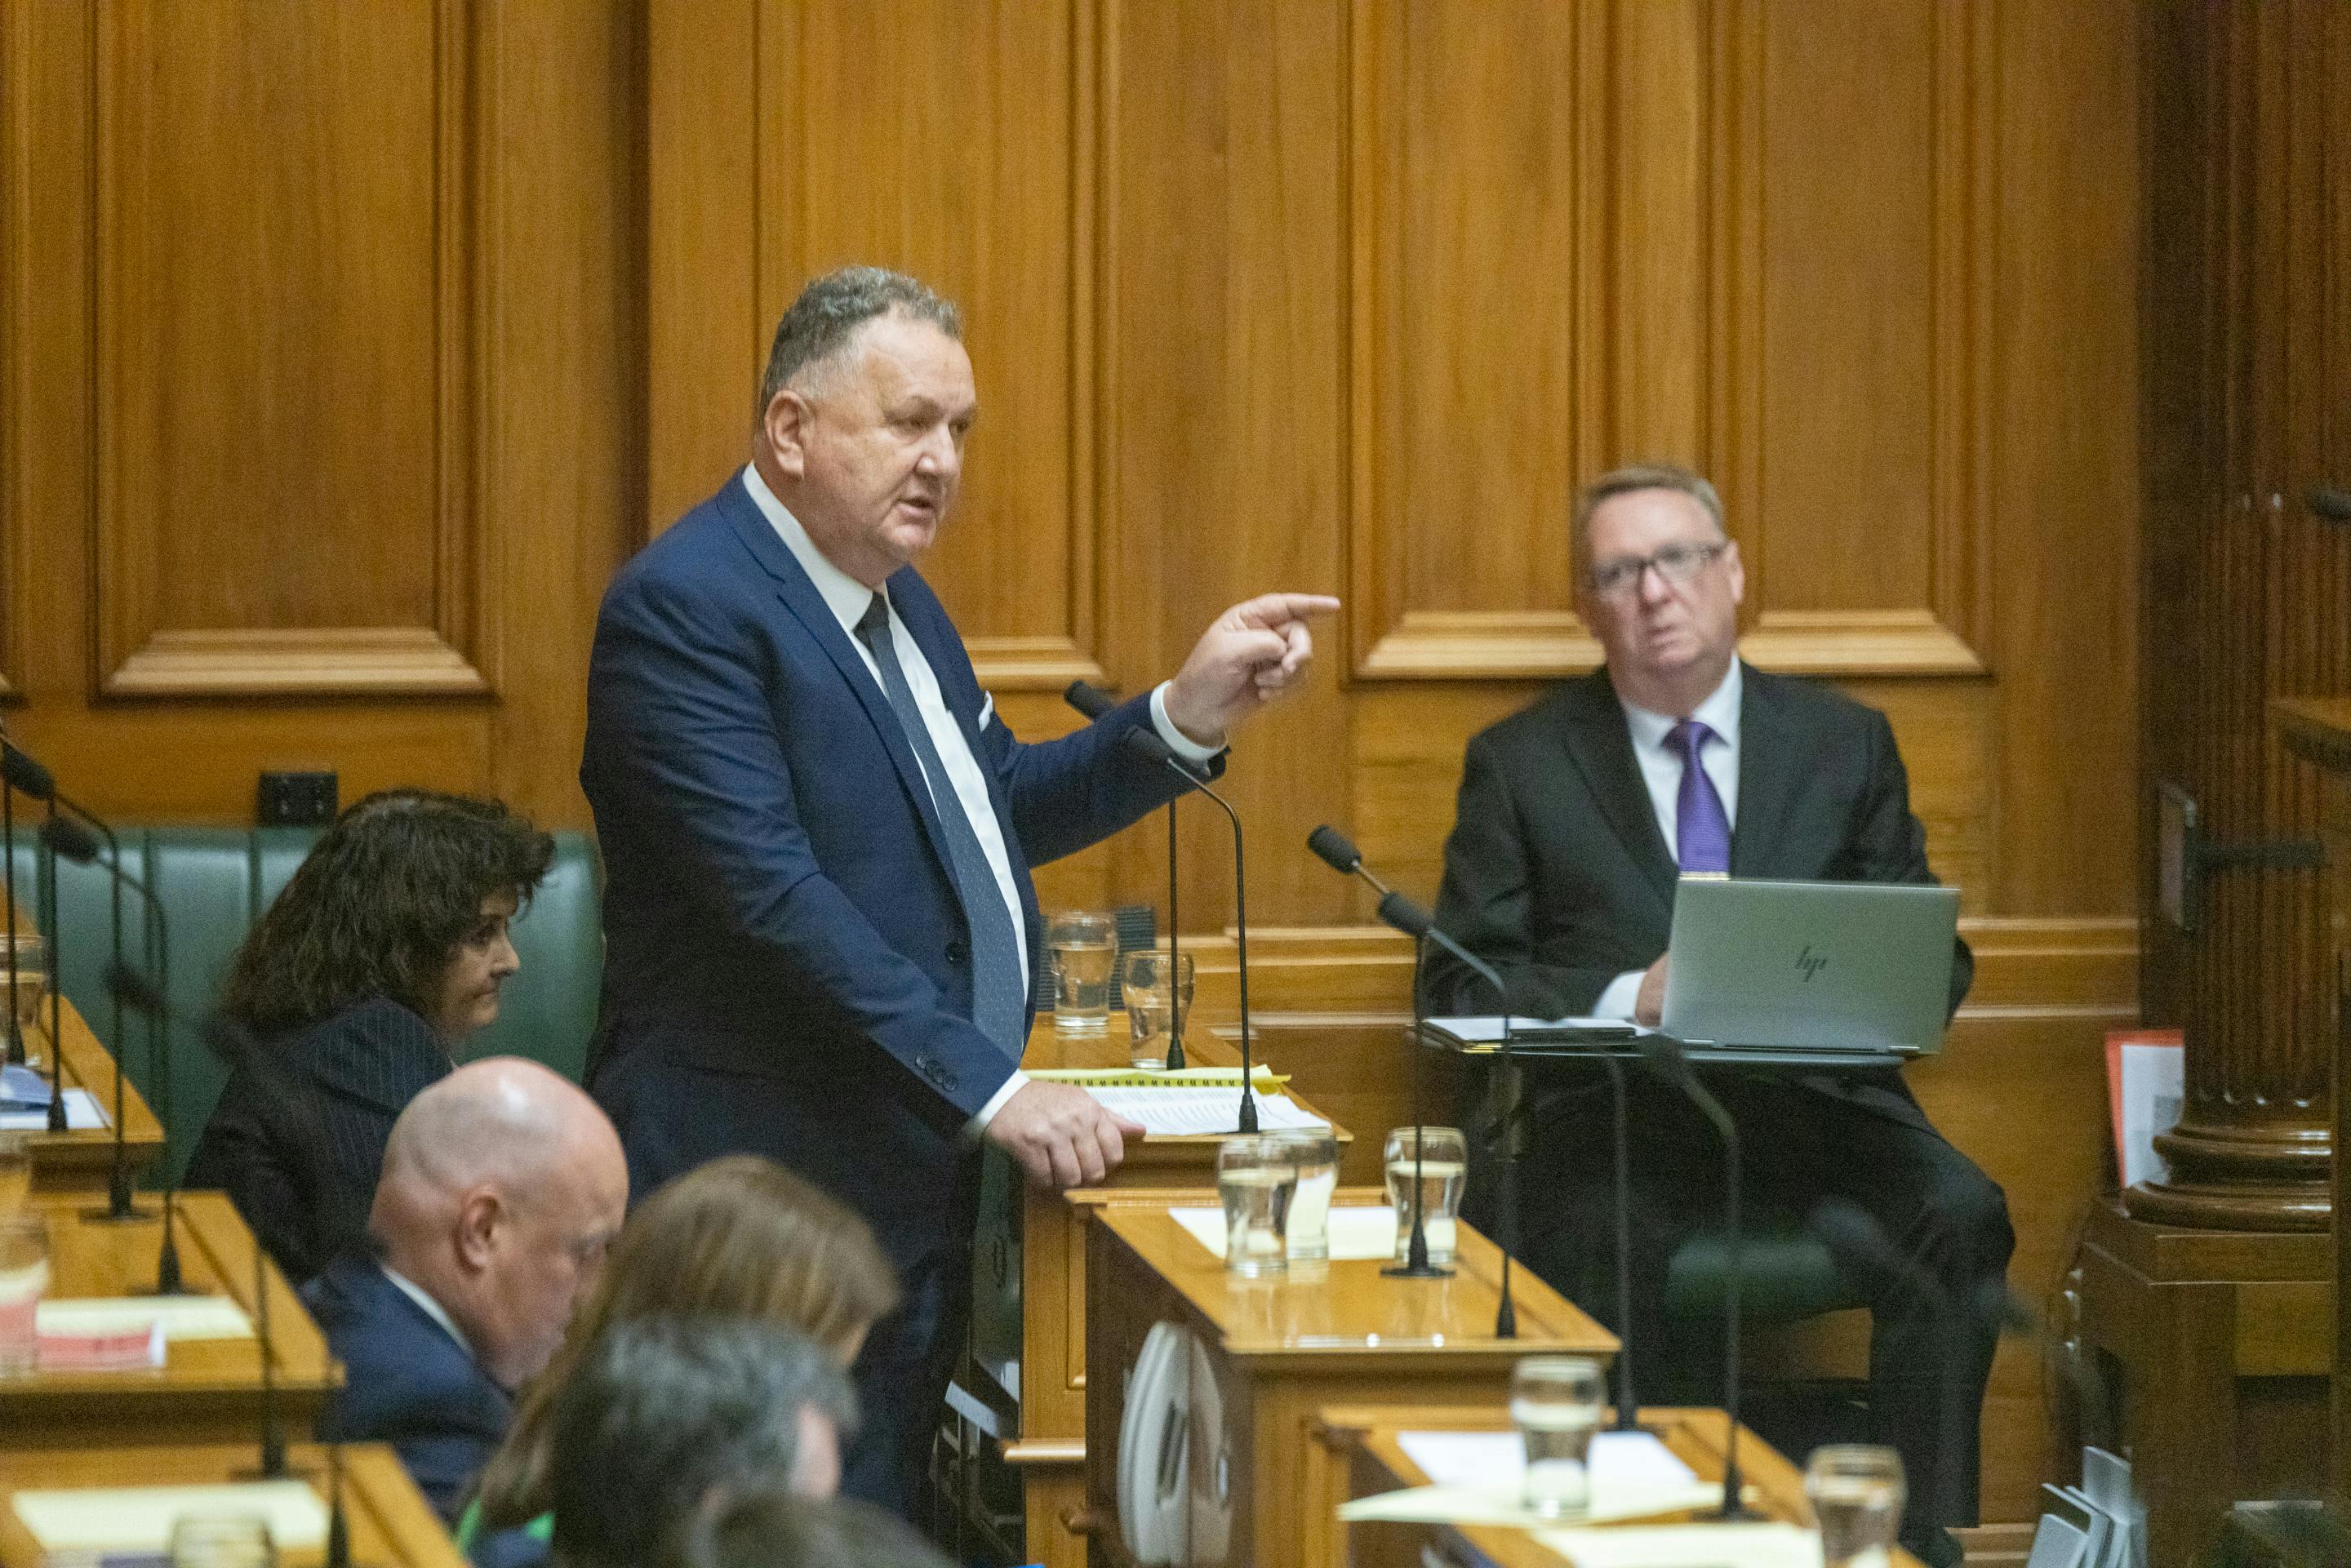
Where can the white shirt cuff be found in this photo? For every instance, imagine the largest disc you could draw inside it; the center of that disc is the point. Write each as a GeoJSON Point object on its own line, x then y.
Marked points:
{"type": "Point", "coordinates": [1180, 744]}
{"type": "Point", "coordinates": [1616, 1001]}
{"type": "Point", "coordinates": [1012, 1085]}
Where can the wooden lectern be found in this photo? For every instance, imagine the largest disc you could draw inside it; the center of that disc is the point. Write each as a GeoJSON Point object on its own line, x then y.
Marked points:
{"type": "Point", "coordinates": [1261, 1358]}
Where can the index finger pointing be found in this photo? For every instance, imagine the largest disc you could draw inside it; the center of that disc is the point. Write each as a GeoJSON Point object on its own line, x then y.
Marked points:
{"type": "Point", "coordinates": [1267, 608]}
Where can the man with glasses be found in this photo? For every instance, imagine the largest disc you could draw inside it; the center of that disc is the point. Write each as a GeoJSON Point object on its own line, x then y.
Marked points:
{"type": "Point", "coordinates": [1575, 819]}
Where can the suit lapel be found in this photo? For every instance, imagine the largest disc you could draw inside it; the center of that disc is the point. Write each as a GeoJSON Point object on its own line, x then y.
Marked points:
{"type": "Point", "coordinates": [808, 607]}
{"type": "Point", "coordinates": [1600, 747]}
{"type": "Point", "coordinates": [1770, 769]}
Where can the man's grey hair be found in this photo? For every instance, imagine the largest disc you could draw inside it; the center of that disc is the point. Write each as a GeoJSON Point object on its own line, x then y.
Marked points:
{"type": "Point", "coordinates": [1638, 476]}
{"type": "Point", "coordinates": [664, 1413]}
{"type": "Point", "coordinates": [826, 316]}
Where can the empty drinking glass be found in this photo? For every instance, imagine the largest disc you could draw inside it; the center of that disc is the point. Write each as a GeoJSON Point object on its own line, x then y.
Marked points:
{"type": "Point", "coordinates": [1443, 1166]}
{"type": "Point", "coordinates": [1084, 952]}
{"type": "Point", "coordinates": [1856, 1492]}
{"type": "Point", "coordinates": [1158, 992]}
{"type": "Point", "coordinates": [1256, 1180]}
{"type": "Point", "coordinates": [1555, 1403]}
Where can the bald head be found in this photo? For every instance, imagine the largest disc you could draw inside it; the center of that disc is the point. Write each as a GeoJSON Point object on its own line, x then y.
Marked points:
{"type": "Point", "coordinates": [502, 1185]}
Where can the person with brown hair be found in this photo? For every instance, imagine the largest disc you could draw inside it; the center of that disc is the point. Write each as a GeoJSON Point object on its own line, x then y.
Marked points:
{"type": "Point", "coordinates": [384, 951]}
{"type": "Point", "coordinates": [776, 1526]}
{"type": "Point", "coordinates": [739, 1236]}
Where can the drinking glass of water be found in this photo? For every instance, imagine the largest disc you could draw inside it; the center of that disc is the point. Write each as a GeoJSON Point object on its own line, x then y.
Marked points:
{"type": "Point", "coordinates": [1315, 1157]}
{"type": "Point", "coordinates": [1856, 1493]}
{"type": "Point", "coordinates": [1555, 1403]}
{"type": "Point", "coordinates": [1444, 1166]}
{"type": "Point", "coordinates": [1158, 990]}
{"type": "Point", "coordinates": [24, 1280]}
{"type": "Point", "coordinates": [1256, 1180]}
{"type": "Point", "coordinates": [1083, 948]}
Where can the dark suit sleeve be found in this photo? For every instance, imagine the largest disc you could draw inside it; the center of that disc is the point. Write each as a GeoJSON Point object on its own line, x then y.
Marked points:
{"type": "Point", "coordinates": [1889, 845]}
{"type": "Point", "coordinates": [683, 721]}
{"type": "Point", "coordinates": [1068, 793]}
{"type": "Point", "coordinates": [1486, 905]}
{"type": "Point", "coordinates": [238, 1154]}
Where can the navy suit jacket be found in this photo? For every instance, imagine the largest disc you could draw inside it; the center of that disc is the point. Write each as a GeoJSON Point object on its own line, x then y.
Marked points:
{"type": "Point", "coordinates": [778, 906]}
{"type": "Point", "coordinates": [405, 1382]}
{"type": "Point", "coordinates": [1557, 876]}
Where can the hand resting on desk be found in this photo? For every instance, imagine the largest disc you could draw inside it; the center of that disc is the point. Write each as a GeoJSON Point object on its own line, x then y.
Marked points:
{"type": "Point", "coordinates": [1060, 1134]}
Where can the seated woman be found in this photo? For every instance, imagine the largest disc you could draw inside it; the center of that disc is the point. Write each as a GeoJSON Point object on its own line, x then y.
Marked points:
{"type": "Point", "coordinates": [739, 1236]}
{"type": "Point", "coordinates": [384, 953]}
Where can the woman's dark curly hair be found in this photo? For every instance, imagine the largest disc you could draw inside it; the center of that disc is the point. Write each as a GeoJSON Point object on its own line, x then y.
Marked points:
{"type": "Point", "coordinates": [380, 906]}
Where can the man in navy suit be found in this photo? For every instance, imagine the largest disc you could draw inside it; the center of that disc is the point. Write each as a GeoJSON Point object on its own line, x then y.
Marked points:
{"type": "Point", "coordinates": [1576, 817]}
{"type": "Point", "coordinates": [822, 938]}
{"type": "Point", "coordinates": [501, 1186]}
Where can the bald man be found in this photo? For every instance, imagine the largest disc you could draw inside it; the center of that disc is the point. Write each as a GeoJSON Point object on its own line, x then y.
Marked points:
{"type": "Point", "coordinates": [501, 1186]}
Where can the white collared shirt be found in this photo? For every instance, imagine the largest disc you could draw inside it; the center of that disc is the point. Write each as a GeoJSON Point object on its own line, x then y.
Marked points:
{"type": "Point", "coordinates": [1661, 772]}
{"type": "Point", "coordinates": [847, 599]}
{"type": "Point", "coordinates": [431, 1308]}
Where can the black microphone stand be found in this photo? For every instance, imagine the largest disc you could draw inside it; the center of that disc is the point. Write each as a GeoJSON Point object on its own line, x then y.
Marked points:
{"type": "Point", "coordinates": [1093, 701]}
{"type": "Point", "coordinates": [8, 831]}
{"type": "Point", "coordinates": [1665, 1057]}
{"type": "Point", "coordinates": [1415, 1264]}
{"type": "Point", "coordinates": [1628, 1407]}
{"type": "Point", "coordinates": [45, 882]}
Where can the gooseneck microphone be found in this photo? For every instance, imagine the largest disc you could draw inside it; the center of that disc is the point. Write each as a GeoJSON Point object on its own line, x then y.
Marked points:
{"type": "Point", "coordinates": [1093, 701]}
{"type": "Point", "coordinates": [2328, 502]}
{"type": "Point", "coordinates": [1663, 1055]}
{"type": "Point", "coordinates": [1144, 743]}
{"type": "Point", "coordinates": [17, 771]}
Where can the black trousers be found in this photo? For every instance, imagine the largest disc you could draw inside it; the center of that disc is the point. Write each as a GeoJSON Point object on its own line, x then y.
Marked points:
{"type": "Point", "coordinates": [1932, 1333]}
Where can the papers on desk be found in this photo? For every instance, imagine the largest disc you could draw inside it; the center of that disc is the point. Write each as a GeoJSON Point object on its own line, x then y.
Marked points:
{"type": "Point", "coordinates": [1266, 1078]}
{"type": "Point", "coordinates": [1179, 1112]}
{"type": "Point", "coordinates": [1617, 1458]}
{"type": "Point", "coordinates": [1477, 1478]}
{"type": "Point", "coordinates": [82, 1114]}
{"type": "Point", "coordinates": [1357, 1232]}
{"type": "Point", "coordinates": [179, 1317]}
{"type": "Point", "coordinates": [1770, 1544]}
{"type": "Point", "coordinates": [140, 1518]}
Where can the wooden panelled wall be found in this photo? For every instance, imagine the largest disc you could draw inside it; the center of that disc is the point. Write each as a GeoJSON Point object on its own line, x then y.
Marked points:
{"type": "Point", "coordinates": [343, 352]}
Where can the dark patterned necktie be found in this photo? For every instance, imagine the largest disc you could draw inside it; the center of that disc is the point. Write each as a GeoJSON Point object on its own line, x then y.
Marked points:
{"type": "Point", "coordinates": [1702, 828]}
{"type": "Point", "coordinates": [999, 991]}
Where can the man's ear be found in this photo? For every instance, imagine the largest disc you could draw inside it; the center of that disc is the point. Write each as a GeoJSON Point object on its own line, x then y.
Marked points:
{"type": "Point", "coordinates": [787, 423]}
{"type": "Point", "coordinates": [481, 1215]}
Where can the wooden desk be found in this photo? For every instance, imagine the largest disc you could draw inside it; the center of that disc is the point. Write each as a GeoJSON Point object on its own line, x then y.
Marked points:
{"type": "Point", "coordinates": [208, 1391]}
{"type": "Point", "coordinates": [81, 1161]}
{"type": "Point", "coordinates": [391, 1523]}
{"type": "Point", "coordinates": [1270, 1355]}
{"type": "Point", "coordinates": [1048, 1258]}
{"type": "Point", "coordinates": [1358, 1455]}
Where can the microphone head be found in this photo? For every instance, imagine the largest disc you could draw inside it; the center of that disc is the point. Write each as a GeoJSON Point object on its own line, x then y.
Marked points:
{"type": "Point", "coordinates": [2328, 502]}
{"type": "Point", "coordinates": [1335, 850]}
{"type": "Point", "coordinates": [1088, 699]}
{"type": "Point", "coordinates": [137, 992]}
{"type": "Point", "coordinates": [1147, 745]}
{"type": "Point", "coordinates": [1405, 915]}
{"type": "Point", "coordinates": [70, 838]}
{"type": "Point", "coordinates": [26, 775]}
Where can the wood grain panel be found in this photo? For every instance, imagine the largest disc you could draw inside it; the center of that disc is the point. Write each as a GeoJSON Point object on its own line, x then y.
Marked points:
{"type": "Point", "coordinates": [18, 384]}
{"type": "Point", "coordinates": [290, 365]}
{"type": "Point", "coordinates": [958, 143]}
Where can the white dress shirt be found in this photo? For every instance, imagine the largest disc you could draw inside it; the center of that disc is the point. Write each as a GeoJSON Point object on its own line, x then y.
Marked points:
{"type": "Point", "coordinates": [1661, 771]}
{"type": "Point", "coordinates": [847, 599]}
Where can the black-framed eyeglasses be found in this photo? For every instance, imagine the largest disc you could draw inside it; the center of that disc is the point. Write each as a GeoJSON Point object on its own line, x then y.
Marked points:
{"type": "Point", "coordinates": [1675, 563]}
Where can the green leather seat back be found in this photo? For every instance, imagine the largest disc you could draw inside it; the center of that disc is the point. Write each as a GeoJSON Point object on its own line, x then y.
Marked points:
{"type": "Point", "coordinates": [212, 883]}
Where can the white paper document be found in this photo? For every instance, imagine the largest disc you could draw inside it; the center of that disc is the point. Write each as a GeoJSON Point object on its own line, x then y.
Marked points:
{"type": "Point", "coordinates": [1357, 1232]}
{"type": "Point", "coordinates": [1768, 1545]}
{"type": "Point", "coordinates": [81, 1116]}
{"type": "Point", "coordinates": [182, 1317]}
{"type": "Point", "coordinates": [140, 1518]}
{"type": "Point", "coordinates": [1169, 1113]}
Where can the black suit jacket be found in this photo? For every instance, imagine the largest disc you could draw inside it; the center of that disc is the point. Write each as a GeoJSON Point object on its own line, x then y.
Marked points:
{"type": "Point", "coordinates": [406, 1382]}
{"type": "Point", "coordinates": [296, 1138]}
{"type": "Point", "coordinates": [1557, 876]}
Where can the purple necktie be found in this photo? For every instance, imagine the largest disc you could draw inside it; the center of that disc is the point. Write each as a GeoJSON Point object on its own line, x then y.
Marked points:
{"type": "Point", "coordinates": [1702, 827]}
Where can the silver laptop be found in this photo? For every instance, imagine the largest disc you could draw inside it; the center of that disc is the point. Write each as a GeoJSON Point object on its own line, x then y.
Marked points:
{"type": "Point", "coordinates": [1813, 966]}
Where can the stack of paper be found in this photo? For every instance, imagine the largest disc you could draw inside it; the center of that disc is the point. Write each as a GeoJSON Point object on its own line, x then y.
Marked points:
{"type": "Point", "coordinates": [1476, 1478]}
{"type": "Point", "coordinates": [82, 1114]}
{"type": "Point", "coordinates": [1178, 1111]}
{"type": "Point", "coordinates": [140, 1518]}
{"type": "Point", "coordinates": [1357, 1230]}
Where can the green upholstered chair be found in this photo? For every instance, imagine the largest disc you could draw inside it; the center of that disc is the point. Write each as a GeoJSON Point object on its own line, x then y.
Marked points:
{"type": "Point", "coordinates": [212, 883]}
